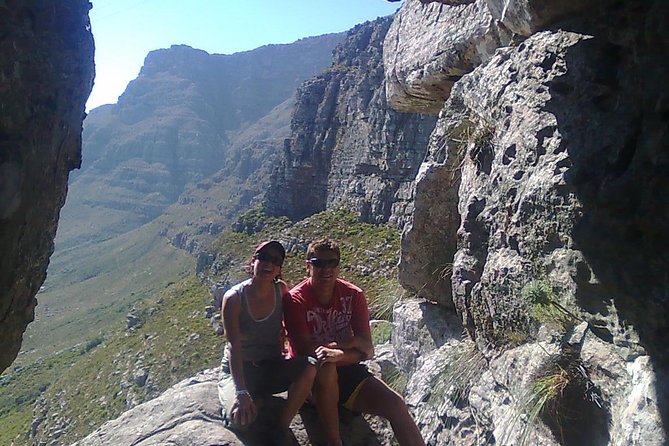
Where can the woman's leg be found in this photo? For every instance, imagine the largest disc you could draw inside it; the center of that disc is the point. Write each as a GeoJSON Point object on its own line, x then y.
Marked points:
{"type": "Point", "coordinates": [297, 394]}
{"type": "Point", "coordinates": [326, 389]}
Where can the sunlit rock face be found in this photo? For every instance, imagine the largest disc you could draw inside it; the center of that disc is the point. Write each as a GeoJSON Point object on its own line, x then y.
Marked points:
{"type": "Point", "coordinates": [348, 148]}
{"type": "Point", "coordinates": [46, 74]}
{"type": "Point", "coordinates": [549, 165]}
{"type": "Point", "coordinates": [421, 67]}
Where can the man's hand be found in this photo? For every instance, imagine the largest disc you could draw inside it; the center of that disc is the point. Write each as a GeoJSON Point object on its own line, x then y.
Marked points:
{"type": "Point", "coordinates": [243, 410]}
{"type": "Point", "coordinates": [328, 354]}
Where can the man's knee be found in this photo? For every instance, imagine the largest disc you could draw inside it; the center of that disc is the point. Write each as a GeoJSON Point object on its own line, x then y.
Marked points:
{"type": "Point", "coordinates": [327, 373]}
{"type": "Point", "coordinates": [325, 381]}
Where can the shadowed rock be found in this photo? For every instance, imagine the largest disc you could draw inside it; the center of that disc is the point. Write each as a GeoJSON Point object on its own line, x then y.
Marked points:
{"type": "Point", "coordinates": [46, 73]}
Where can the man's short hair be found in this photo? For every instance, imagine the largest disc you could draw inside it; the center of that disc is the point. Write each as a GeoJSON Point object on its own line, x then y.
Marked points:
{"type": "Point", "coordinates": [321, 246]}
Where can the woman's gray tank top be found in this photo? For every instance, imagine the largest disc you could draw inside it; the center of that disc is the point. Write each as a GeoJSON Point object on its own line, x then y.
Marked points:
{"type": "Point", "coordinates": [260, 338]}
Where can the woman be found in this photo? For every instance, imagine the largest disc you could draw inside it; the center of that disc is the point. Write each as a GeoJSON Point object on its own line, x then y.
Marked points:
{"type": "Point", "coordinates": [252, 318]}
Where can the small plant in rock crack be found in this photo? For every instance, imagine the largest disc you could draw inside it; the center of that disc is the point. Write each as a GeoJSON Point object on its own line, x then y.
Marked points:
{"type": "Point", "coordinates": [397, 381]}
{"type": "Point", "coordinates": [444, 273]}
{"type": "Point", "coordinates": [463, 369]}
{"type": "Point", "coordinates": [545, 307]}
{"type": "Point", "coordinates": [564, 398]}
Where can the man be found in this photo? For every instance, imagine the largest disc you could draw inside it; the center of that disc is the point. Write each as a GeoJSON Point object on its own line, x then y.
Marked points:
{"type": "Point", "coordinates": [329, 317]}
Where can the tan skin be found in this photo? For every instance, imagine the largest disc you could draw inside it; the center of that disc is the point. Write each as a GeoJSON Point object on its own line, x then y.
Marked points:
{"type": "Point", "coordinates": [375, 397]}
{"type": "Point", "coordinates": [260, 300]}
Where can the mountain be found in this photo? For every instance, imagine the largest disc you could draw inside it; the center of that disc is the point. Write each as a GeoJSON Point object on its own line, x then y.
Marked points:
{"type": "Point", "coordinates": [172, 127]}
{"type": "Point", "coordinates": [348, 148]}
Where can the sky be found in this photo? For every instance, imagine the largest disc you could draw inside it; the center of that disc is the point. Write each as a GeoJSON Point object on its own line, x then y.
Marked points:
{"type": "Point", "coordinates": [126, 30]}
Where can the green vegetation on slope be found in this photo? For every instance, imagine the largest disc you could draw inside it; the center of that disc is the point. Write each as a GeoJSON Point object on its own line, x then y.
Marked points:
{"type": "Point", "coordinates": [113, 368]}
{"type": "Point", "coordinates": [21, 386]}
{"type": "Point", "coordinates": [369, 252]}
{"type": "Point", "coordinates": [173, 341]}
{"type": "Point", "coordinates": [91, 289]}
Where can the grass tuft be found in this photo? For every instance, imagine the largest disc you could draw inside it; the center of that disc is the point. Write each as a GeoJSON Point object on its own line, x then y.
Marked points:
{"type": "Point", "coordinates": [462, 369]}
{"type": "Point", "coordinates": [545, 307]}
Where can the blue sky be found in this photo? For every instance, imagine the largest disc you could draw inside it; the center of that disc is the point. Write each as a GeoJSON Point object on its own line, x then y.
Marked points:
{"type": "Point", "coordinates": [126, 30]}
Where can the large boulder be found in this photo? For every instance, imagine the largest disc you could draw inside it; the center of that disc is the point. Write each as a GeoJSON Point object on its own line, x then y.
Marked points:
{"type": "Point", "coordinates": [189, 414]}
{"type": "Point", "coordinates": [430, 46]}
{"type": "Point", "coordinates": [46, 68]}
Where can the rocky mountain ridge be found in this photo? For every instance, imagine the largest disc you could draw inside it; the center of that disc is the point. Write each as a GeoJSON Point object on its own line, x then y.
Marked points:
{"type": "Point", "coordinates": [172, 127]}
{"type": "Point", "coordinates": [347, 147]}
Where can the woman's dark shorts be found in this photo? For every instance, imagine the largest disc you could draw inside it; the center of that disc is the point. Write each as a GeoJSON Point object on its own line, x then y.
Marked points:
{"type": "Point", "coordinates": [273, 376]}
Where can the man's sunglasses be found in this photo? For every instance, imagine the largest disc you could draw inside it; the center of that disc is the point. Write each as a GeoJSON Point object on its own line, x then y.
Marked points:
{"type": "Point", "coordinates": [267, 257]}
{"type": "Point", "coordinates": [323, 263]}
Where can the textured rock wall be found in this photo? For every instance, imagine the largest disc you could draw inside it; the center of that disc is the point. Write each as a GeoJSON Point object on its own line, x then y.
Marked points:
{"type": "Point", "coordinates": [46, 74]}
{"type": "Point", "coordinates": [348, 148]}
{"type": "Point", "coordinates": [548, 167]}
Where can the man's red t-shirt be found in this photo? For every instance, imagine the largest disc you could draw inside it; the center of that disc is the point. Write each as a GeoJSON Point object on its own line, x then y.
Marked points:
{"type": "Point", "coordinates": [345, 315]}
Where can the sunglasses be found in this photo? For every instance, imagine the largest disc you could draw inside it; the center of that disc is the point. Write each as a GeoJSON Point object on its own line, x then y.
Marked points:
{"type": "Point", "coordinates": [323, 263]}
{"type": "Point", "coordinates": [267, 257]}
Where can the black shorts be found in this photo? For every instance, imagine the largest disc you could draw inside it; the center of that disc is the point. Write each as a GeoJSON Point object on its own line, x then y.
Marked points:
{"type": "Point", "coordinates": [268, 377]}
{"type": "Point", "coordinates": [350, 378]}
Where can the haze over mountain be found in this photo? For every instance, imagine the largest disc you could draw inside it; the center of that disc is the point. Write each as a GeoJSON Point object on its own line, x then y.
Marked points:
{"type": "Point", "coordinates": [173, 126]}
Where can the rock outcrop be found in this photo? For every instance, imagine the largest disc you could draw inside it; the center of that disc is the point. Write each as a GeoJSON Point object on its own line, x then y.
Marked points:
{"type": "Point", "coordinates": [421, 68]}
{"type": "Point", "coordinates": [46, 75]}
{"type": "Point", "coordinates": [541, 205]}
{"type": "Point", "coordinates": [189, 413]}
{"type": "Point", "coordinates": [348, 148]}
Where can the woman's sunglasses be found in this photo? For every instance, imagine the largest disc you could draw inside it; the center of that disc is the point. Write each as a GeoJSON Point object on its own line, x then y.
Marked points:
{"type": "Point", "coordinates": [267, 257]}
{"type": "Point", "coordinates": [323, 263]}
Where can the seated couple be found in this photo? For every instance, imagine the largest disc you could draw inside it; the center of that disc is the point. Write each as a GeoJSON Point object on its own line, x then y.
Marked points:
{"type": "Point", "coordinates": [327, 321]}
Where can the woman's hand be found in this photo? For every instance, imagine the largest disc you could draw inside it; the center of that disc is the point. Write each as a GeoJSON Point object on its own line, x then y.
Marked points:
{"type": "Point", "coordinates": [327, 354]}
{"type": "Point", "coordinates": [243, 410]}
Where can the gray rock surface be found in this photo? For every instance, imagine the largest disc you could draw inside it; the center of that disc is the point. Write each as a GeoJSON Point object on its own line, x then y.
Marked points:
{"type": "Point", "coordinates": [467, 399]}
{"type": "Point", "coordinates": [420, 327]}
{"type": "Point", "coordinates": [430, 46]}
{"type": "Point", "coordinates": [46, 72]}
{"type": "Point", "coordinates": [189, 413]}
{"type": "Point", "coordinates": [348, 148]}
{"type": "Point", "coordinates": [556, 148]}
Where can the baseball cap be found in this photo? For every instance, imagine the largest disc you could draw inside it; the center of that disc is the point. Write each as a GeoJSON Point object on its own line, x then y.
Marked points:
{"type": "Point", "coordinates": [271, 244]}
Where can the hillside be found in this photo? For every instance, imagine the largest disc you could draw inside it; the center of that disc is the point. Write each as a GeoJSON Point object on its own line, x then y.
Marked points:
{"type": "Point", "coordinates": [188, 115]}
{"type": "Point", "coordinates": [121, 367]}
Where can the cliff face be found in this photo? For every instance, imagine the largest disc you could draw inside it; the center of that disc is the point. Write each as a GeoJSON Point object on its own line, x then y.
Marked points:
{"type": "Point", "coordinates": [348, 147]}
{"type": "Point", "coordinates": [46, 67]}
{"type": "Point", "coordinates": [542, 201]}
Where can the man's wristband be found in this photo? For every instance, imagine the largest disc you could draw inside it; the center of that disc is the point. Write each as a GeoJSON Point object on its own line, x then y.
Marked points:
{"type": "Point", "coordinates": [242, 392]}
